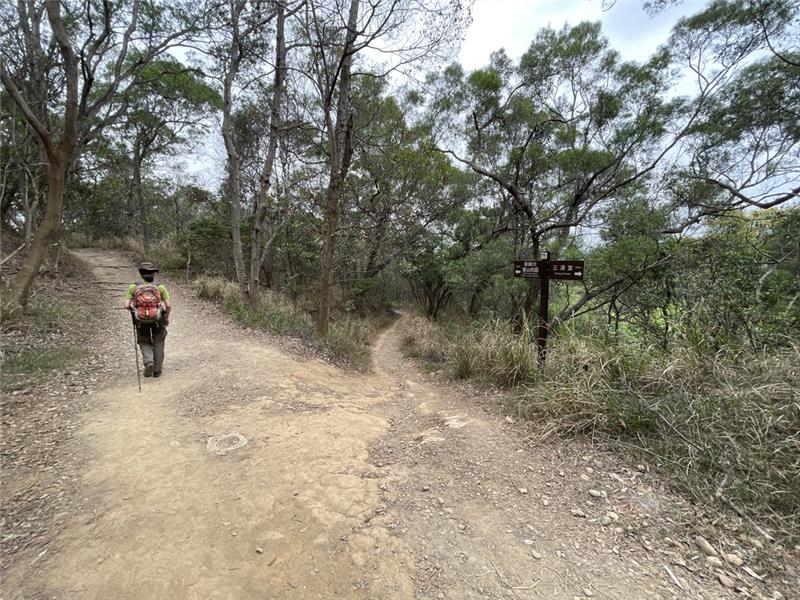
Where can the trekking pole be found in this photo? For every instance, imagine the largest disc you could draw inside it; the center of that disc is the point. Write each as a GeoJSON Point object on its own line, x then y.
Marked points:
{"type": "Point", "coordinates": [136, 354]}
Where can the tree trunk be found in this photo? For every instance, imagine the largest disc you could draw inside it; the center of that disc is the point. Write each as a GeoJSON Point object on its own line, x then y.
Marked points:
{"type": "Point", "coordinates": [234, 190]}
{"type": "Point", "coordinates": [139, 199]}
{"type": "Point", "coordinates": [258, 250]}
{"type": "Point", "coordinates": [531, 305]}
{"type": "Point", "coordinates": [341, 146]}
{"type": "Point", "coordinates": [130, 207]}
{"type": "Point", "coordinates": [55, 175]}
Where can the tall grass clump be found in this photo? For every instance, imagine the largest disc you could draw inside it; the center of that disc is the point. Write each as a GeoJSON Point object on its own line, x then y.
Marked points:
{"type": "Point", "coordinates": [348, 338]}
{"type": "Point", "coordinates": [726, 426]}
{"type": "Point", "coordinates": [423, 340]}
{"type": "Point", "coordinates": [506, 358]}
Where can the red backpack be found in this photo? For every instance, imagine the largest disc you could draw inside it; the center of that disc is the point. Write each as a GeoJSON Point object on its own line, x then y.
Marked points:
{"type": "Point", "coordinates": [147, 305]}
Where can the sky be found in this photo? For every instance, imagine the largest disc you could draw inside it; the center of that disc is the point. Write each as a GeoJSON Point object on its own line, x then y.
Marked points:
{"type": "Point", "coordinates": [512, 24]}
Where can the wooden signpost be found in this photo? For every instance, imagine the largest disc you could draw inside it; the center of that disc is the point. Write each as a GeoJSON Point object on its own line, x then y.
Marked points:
{"type": "Point", "coordinates": [545, 270]}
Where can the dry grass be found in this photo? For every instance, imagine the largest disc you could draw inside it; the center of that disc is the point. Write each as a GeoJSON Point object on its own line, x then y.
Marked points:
{"type": "Point", "coordinates": [422, 340]}
{"type": "Point", "coordinates": [348, 338]}
{"type": "Point", "coordinates": [726, 426]}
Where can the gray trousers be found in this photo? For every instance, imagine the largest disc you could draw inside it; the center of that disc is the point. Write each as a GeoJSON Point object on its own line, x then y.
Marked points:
{"type": "Point", "coordinates": [151, 341]}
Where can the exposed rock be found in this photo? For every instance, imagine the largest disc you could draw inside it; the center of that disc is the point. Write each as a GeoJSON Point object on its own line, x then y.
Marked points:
{"type": "Point", "coordinates": [704, 546]}
{"type": "Point", "coordinates": [734, 559]}
{"type": "Point", "coordinates": [714, 561]}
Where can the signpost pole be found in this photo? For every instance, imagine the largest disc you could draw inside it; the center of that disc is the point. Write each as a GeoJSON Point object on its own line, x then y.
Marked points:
{"type": "Point", "coordinates": [544, 270]}
{"type": "Point", "coordinates": [544, 308]}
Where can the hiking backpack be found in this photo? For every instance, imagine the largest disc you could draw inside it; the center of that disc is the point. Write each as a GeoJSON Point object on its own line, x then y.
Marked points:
{"type": "Point", "coordinates": [147, 305]}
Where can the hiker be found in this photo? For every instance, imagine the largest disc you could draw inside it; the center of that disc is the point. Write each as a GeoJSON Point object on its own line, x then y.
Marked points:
{"type": "Point", "coordinates": [150, 307]}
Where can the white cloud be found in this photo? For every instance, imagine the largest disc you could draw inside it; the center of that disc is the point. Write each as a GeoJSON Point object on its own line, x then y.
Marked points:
{"type": "Point", "coordinates": [512, 24]}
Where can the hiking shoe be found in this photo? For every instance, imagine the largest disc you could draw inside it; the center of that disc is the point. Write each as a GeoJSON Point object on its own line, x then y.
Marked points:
{"type": "Point", "coordinates": [148, 370]}
{"type": "Point", "coordinates": [156, 373]}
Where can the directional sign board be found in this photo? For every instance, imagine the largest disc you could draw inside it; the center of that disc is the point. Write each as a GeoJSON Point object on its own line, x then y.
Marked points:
{"type": "Point", "coordinates": [565, 269]}
{"type": "Point", "coordinates": [527, 268]}
{"type": "Point", "coordinates": [570, 270]}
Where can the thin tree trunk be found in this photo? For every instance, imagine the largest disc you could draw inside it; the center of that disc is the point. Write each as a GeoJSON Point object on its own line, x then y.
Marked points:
{"type": "Point", "coordinates": [55, 175]}
{"type": "Point", "coordinates": [258, 250]}
{"type": "Point", "coordinates": [341, 154]}
{"type": "Point", "coordinates": [531, 305]}
{"type": "Point", "coordinates": [130, 207]}
{"type": "Point", "coordinates": [234, 183]}
{"type": "Point", "coordinates": [139, 198]}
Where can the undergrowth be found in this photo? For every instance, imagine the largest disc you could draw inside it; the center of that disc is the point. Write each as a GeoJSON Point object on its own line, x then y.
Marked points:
{"type": "Point", "coordinates": [726, 425]}
{"type": "Point", "coordinates": [348, 337]}
{"type": "Point", "coordinates": [33, 341]}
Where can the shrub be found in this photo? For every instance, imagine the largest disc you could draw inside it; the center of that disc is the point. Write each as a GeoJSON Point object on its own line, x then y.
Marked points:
{"type": "Point", "coordinates": [348, 338]}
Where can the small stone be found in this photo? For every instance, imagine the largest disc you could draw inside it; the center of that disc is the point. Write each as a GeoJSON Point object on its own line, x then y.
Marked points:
{"type": "Point", "coordinates": [510, 420]}
{"type": "Point", "coordinates": [595, 493]}
{"type": "Point", "coordinates": [545, 502]}
{"type": "Point", "coordinates": [704, 546]}
{"type": "Point", "coordinates": [528, 542]}
{"type": "Point", "coordinates": [425, 488]}
{"type": "Point", "coordinates": [612, 515]}
{"type": "Point", "coordinates": [584, 477]}
{"type": "Point", "coordinates": [606, 521]}
{"type": "Point", "coordinates": [536, 555]}
{"type": "Point", "coordinates": [560, 473]}
{"type": "Point", "coordinates": [440, 500]}
{"type": "Point", "coordinates": [734, 559]}
{"type": "Point", "coordinates": [440, 595]}
{"type": "Point", "coordinates": [589, 470]}
{"type": "Point", "coordinates": [725, 580]}
{"type": "Point", "coordinates": [641, 468]}
{"type": "Point", "coordinates": [577, 512]}
{"type": "Point", "coordinates": [522, 490]}
{"type": "Point", "coordinates": [714, 561]}
{"type": "Point", "coordinates": [588, 593]}
{"type": "Point", "coordinates": [260, 550]}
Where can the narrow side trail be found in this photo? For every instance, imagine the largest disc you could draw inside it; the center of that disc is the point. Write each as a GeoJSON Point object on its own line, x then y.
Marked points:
{"type": "Point", "coordinates": [244, 472]}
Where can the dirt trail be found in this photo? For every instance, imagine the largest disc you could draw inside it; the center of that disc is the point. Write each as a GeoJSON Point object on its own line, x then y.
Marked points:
{"type": "Point", "coordinates": [244, 472]}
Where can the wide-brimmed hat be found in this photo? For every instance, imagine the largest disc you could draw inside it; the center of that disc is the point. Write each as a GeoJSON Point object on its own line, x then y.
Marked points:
{"type": "Point", "coordinates": [148, 266]}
